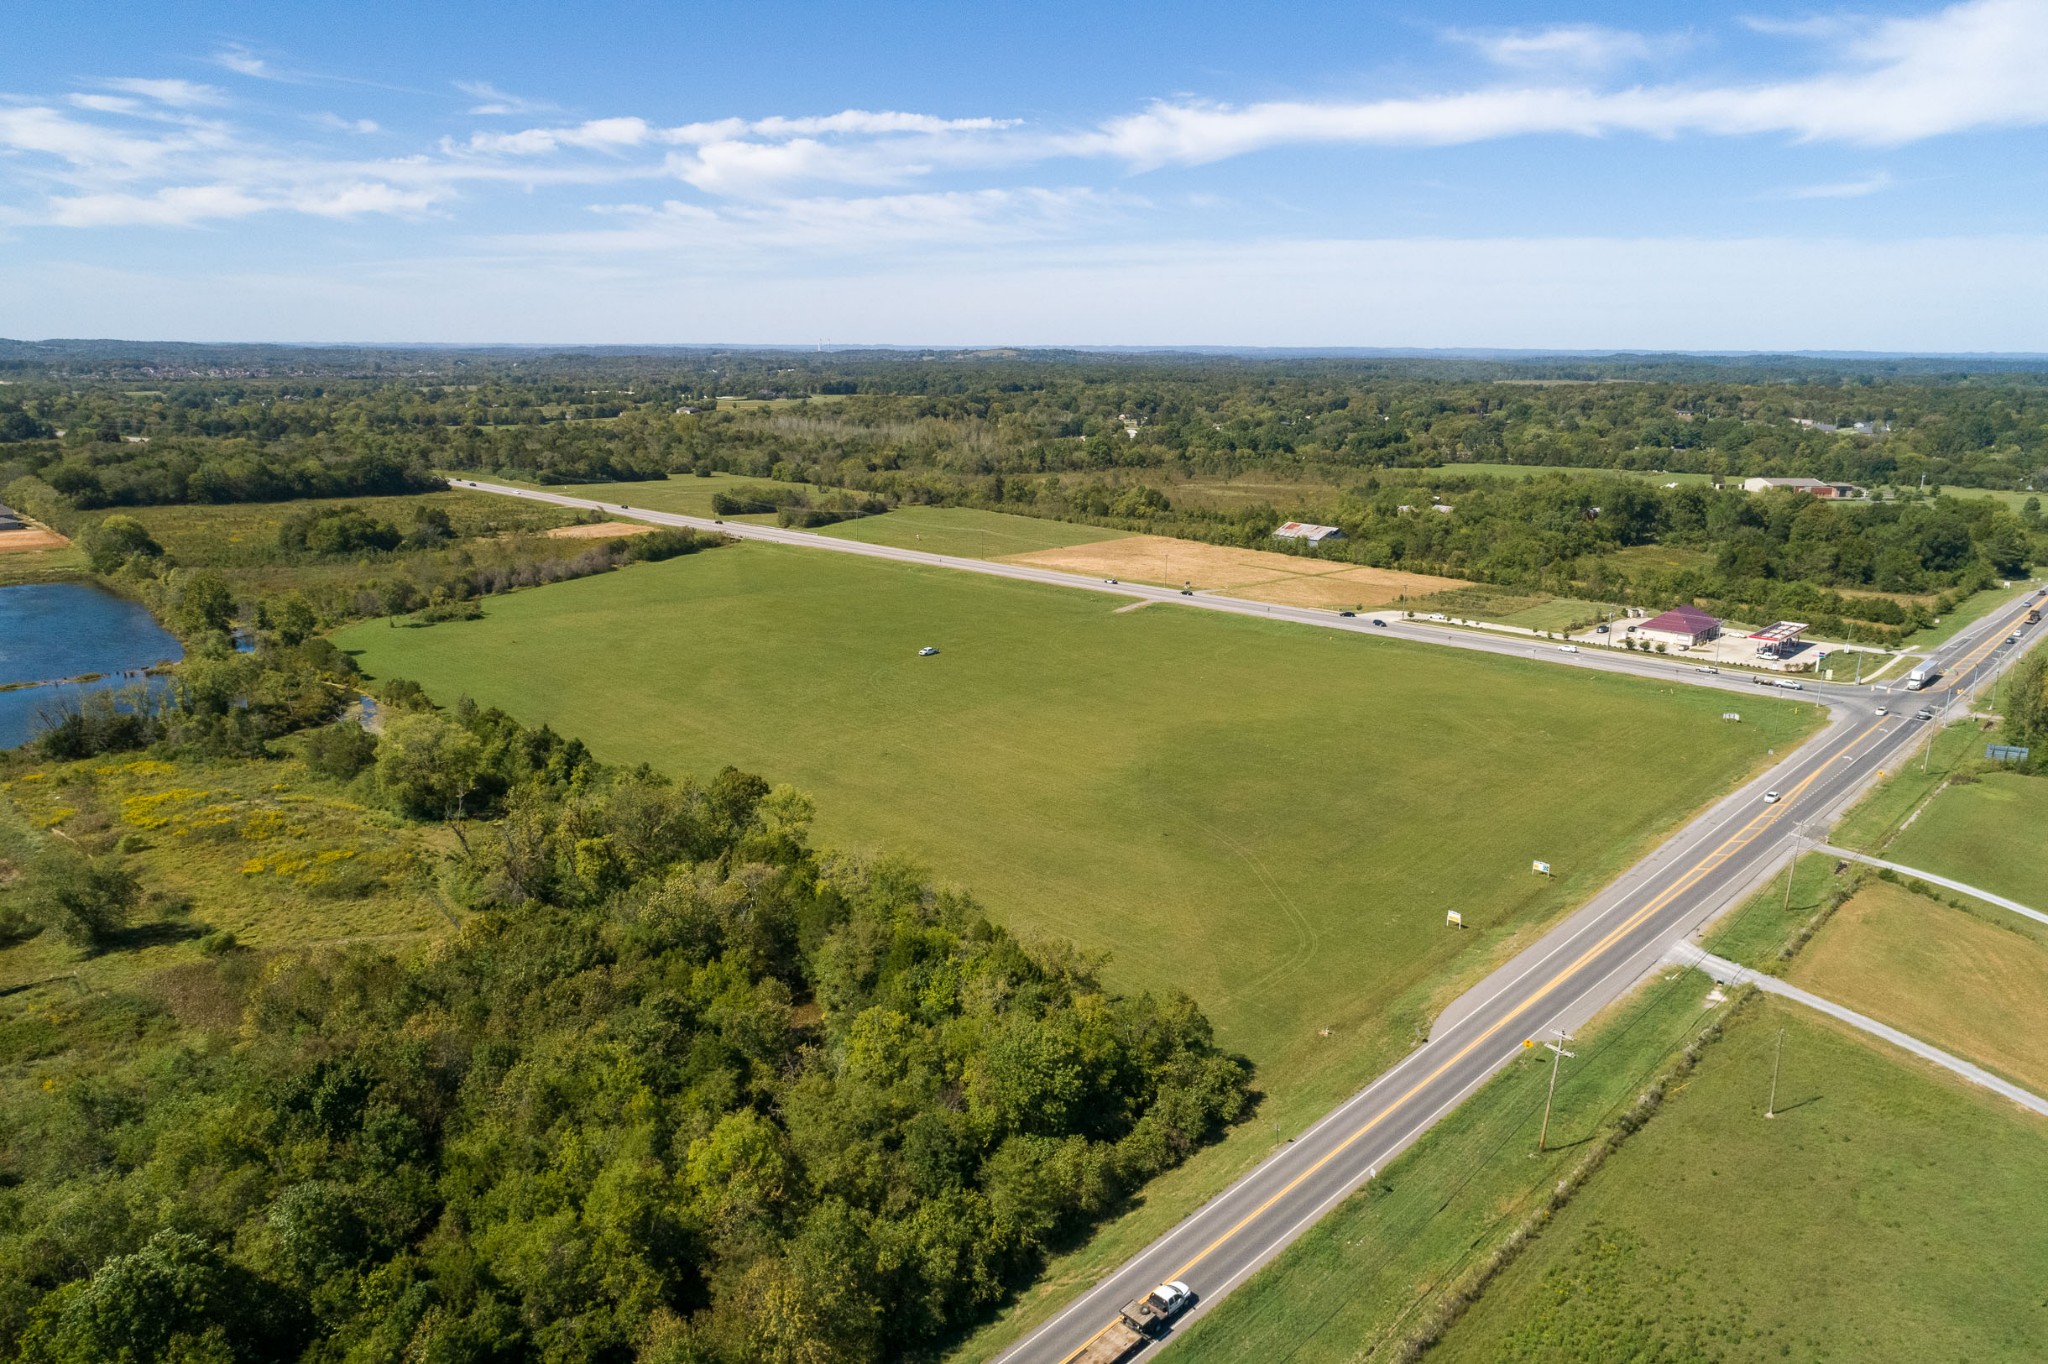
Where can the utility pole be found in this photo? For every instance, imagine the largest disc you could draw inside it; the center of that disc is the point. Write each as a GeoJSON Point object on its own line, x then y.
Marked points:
{"type": "Point", "coordinates": [1557, 1055]}
{"type": "Point", "coordinates": [1771, 1109]}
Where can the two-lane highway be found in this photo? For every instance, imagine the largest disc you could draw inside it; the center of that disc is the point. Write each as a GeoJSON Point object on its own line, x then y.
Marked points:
{"type": "Point", "coordinates": [1579, 967]}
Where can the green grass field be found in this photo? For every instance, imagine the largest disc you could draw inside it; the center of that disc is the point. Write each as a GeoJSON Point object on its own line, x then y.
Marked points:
{"type": "Point", "coordinates": [967, 533]}
{"type": "Point", "coordinates": [1890, 1212]}
{"type": "Point", "coordinates": [1758, 932]}
{"type": "Point", "coordinates": [1531, 611]}
{"type": "Point", "coordinates": [1272, 818]}
{"type": "Point", "coordinates": [681, 494]}
{"type": "Point", "coordinates": [1974, 608]}
{"type": "Point", "coordinates": [1992, 832]}
{"type": "Point", "coordinates": [1874, 822]}
{"type": "Point", "coordinates": [1366, 1275]}
{"type": "Point", "coordinates": [1974, 983]}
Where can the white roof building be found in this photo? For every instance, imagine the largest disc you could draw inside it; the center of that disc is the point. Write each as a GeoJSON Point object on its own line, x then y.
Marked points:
{"type": "Point", "coordinates": [1302, 530]}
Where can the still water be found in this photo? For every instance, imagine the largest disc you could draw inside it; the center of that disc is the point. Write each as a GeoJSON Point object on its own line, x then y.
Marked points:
{"type": "Point", "coordinates": [53, 631]}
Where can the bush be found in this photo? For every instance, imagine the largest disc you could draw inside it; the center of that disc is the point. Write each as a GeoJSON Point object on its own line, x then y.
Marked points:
{"type": "Point", "coordinates": [84, 899]}
{"type": "Point", "coordinates": [118, 541]}
{"type": "Point", "coordinates": [98, 722]}
{"type": "Point", "coordinates": [340, 750]}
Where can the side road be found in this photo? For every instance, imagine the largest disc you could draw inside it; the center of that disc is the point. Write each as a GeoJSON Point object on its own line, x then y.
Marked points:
{"type": "Point", "coordinates": [1730, 973]}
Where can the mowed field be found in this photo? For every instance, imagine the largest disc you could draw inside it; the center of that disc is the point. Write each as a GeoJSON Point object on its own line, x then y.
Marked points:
{"type": "Point", "coordinates": [1992, 832]}
{"type": "Point", "coordinates": [1273, 818]}
{"type": "Point", "coordinates": [1261, 575]}
{"type": "Point", "coordinates": [966, 533]}
{"type": "Point", "coordinates": [1889, 1212]}
{"type": "Point", "coordinates": [1975, 986]}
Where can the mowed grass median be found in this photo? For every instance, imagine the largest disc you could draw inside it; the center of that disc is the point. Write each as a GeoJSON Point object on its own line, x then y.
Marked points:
{"type": "Point", "coordinates": [1274, 819]}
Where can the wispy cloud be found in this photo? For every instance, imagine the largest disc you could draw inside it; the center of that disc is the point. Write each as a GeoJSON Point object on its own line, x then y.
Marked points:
{"type": "Point", "coordinates": [495, 101]}
{"type": "Point", "coordinates": [1844, 189]}
{"type": "Point", "coordinates": [1569, 47]}
{"type": "Point", "coordinates": [243, 62]}
{"type": "Point", "coordinates": [178, 94]}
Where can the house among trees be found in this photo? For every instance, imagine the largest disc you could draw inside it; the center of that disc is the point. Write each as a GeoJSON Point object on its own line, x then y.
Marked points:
{"type": "Point", "coordinates": [1302, 530]}
{"type": "Point", "coordinates": [1683, 626]}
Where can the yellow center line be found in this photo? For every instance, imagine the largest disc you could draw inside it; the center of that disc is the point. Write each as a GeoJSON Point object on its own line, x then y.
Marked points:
{"type": "Point", "coordinates": [1974, 657]}
{"type": "Point", "coordinates": [1745, 836]}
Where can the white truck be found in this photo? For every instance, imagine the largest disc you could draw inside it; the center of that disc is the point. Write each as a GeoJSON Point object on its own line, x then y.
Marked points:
{"type": "Point", "coordinates": [1921, 676]}
{"type": "Point", "coordinates": [1141, 1320]}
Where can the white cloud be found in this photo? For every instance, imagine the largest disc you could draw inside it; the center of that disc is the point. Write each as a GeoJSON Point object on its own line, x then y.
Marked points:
{"type": "Point", "coordinates": [336, 123]}
{"type": "Point", "coordinates": [175, 206]}
{"type": "Point", "coordinates": [496, 101]}
{"type": "Point", "coordinates": [599, 134]}
{"type": "Point", "coordinates": [1844, 189]}
{"type": "Point", "coordinates": [240, 60]}
{"type": "Point", "coordinates": [1972, 66]}
{"type": "Point", "coordinates": [1576, 47]}
{"type": "Point", "coordinates": [176, 93]}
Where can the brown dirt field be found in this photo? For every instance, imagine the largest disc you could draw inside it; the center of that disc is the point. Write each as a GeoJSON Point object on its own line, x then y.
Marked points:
{"type": "Point", "coordinates": [1261, 575]}
{"type": "Point", "coordinates": [1961, 982]}
{"type": "Point", "coordinates": [602, 530]}
{"type": "Point", "coordinates": [33, 537]}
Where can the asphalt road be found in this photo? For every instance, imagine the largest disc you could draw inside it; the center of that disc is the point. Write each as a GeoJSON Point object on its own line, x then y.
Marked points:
{"type": "Point", "coordinates": [1579, 967]}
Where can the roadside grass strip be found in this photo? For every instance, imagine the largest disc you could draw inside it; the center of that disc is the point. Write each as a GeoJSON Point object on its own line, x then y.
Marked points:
{"type": "Point", "coordinates": [1890, 1211]}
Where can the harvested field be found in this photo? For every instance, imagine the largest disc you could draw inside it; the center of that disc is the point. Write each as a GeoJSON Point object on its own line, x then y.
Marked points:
{"type": "Point", "coordinates": [1263, 575]}
{"type": "Point", "coordinates": [30, 537]}
{"type": "Point", "coordinates": [602, 530]}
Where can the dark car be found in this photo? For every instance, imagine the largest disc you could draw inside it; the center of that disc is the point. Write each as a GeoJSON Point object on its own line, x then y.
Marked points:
{"type": "Point", "coordinates": [1599, 629]}
{"type": "Point", "coordinates": [1377, 621]}
{"type": "Point", "coordinates": [1347, 613]}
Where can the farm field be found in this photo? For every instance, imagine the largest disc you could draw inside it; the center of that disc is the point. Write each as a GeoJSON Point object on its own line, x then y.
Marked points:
{"type": "Point", "coordinates": [1271, 818]}
{"type": "Point", "coordinates": [1975, 986]}
{"type": "Point", "coordinates": [1258, 574]}
{"type": "Point", "coordinates": [965, 532]}
{"type": "Point", "coordinates": [1365, 1276]}
{"type": "Point", "coordinates": [1889, 1212]}
{"type": "Point", "coordinates": [1992, 832]}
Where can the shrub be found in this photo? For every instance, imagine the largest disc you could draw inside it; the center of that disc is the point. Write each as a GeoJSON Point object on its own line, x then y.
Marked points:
{"type": "Point", "coordinates": [340, 750]}
{"type": "Point", "coordinates": [118, 541]}
{"type": "Point", "coordinates": [84, 899]}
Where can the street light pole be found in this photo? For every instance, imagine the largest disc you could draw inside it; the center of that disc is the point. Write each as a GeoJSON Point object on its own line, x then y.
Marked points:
{"type": "Point", "coordinates": [1557, 1055]}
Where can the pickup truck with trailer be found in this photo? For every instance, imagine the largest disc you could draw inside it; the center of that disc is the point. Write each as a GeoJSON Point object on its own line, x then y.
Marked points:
{"type": "Point", "coordinates": [1921, 676]}
{"type": "Point", "coordinates": [1138, 1324]}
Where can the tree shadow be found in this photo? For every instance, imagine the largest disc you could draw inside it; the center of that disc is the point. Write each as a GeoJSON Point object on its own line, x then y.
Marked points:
{"type": "Point", "coordinates": [157, 933]}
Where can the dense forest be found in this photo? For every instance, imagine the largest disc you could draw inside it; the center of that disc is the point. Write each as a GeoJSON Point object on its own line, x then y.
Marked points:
{"type": "Point", "coordinates": [681, 1087]}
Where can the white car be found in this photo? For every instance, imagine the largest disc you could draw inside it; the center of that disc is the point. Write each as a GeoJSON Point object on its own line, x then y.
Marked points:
{"type": "Point", "coordinates": [1704, 669]}
{"type": "Point", "coordinates": [1884, 710]}
{"type": "Point", "coordinates": [1793, 686]}
{"type": "Point", "coordinates": [1569, 648]}
{"type": "Point", "coordinates": [927, 651]}
{"type": "Point", "coordinates": [1771, 797]}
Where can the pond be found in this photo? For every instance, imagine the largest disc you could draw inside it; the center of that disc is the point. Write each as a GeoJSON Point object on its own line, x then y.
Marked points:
{"type": "Point", "coordinates": [50, 632]}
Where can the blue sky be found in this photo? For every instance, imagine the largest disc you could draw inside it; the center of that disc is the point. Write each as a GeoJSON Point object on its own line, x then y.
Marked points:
{"type": "Point", "coordinates": [1455, 174]}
